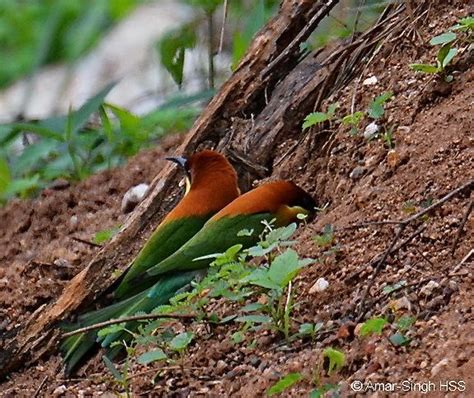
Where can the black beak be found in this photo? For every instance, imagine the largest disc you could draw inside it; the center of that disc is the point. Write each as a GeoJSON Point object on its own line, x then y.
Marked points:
{"type": "Point", "coordinates": [179, 160]}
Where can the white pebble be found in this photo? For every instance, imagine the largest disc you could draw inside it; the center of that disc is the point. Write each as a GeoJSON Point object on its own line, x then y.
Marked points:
{"type": "Point", "coordinates": [320, 285]}
{"type": "Point", "coordinates": [370, 81]}
{"type": "Point", "coordinates": [133, 197]}
{"type": "Point", "coordinates": [371, 131]}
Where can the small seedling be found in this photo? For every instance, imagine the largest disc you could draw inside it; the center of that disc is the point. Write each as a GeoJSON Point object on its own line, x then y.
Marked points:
{"type": "Point", "coordinates": [377, 106]}
{"type": "Point", "coordinates": [373, 326]}
{"type": "Point", "coordinates": [353, 121]}
{"type": "Point", "coordinates": [105, 235]}
{"type": "Point", "coordinates": [320, 117]}
{"type": "Point", "coordinates": [325, 239]}
{"type": "Point", "coordinates": [337, 359]}
{"type": "Point", "coordinates": [285, 383]}
{"type": "Point", "coordinates": [444, 57]}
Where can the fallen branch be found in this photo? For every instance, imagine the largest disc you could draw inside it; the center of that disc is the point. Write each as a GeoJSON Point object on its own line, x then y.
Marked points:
{"type": "Point", "coordinates": [144, 317]}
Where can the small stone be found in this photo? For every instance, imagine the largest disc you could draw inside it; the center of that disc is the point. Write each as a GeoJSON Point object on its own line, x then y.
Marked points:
{"type": "Point", "coordinates": [439, 367]}
{"type": "Point", "coordinates": [319, 286]}
{"type": "Point", "coordinates": [73, 221]}
{"type": "Point", "coordinates": [401, 304]}
{"type": "Point", "coordinates": [133, 197]}
{"type": "Point", "coordinates": [358, 172]}
{"type": "Point", "coordinates": [370, 81]}
{"type": "Point", "coordinates": [427, 290]}
{"type": "Point", "coordinates": [371, 131]}
{"type": "Point", "coordinates": [393, 158]}
{"type": "Point", "coordinates": [220, 366]}
{"type": "Point", "coordinates": [58, 391]}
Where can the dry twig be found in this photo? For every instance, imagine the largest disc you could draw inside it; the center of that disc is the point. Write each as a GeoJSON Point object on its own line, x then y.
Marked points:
{"type": "Point", "coordinates": [127, 319]}
{"type": "Point", "coordinates": [38, 390]}
{"type": "Point", "coordinates": [461, 227]}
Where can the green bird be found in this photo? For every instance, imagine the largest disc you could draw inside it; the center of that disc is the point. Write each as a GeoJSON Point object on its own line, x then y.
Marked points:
{"type": "Point", "coordinates": [281, 201]}
{"type": "Point", "coordinates": [211, 184]}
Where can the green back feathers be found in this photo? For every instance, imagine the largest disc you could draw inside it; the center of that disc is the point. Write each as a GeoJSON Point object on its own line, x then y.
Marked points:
{"type": "Point", "coordinates": [166, 240]}
{"type": "Point", "coordinates": [215, 237]}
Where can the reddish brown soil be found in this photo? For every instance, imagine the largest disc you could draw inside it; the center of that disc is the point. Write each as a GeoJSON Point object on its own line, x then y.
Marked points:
{"type": "Point", "coordinates": [433, 132]}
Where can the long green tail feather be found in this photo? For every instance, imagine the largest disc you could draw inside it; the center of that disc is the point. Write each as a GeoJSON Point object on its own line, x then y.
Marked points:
{"type": "Point", "coordinates": [75, 347]}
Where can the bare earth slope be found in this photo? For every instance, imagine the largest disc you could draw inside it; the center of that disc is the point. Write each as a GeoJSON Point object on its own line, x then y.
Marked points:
{"type": "Point", "coordinates": [361, 181]}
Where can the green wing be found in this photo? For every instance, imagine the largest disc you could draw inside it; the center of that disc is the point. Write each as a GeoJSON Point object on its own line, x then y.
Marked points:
{"type": "Point", "coordinates": [166, 240]}
{"type": "Point", "coordinates": [214, 237]}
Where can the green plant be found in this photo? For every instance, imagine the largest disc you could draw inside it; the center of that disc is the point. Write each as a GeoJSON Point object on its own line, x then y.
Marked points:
{"type": "Point", "coordinates": [72, 147]}
{"type": "Point", "coordinates": [465, 25]}
{"type": "Point", "coordinates": [445, 55]}
{"type": "Point", "coordinates": [336, 358]}
{"type": "Point", "coordinates": [326, 239]}
{"type": "Point", "coordinates": [320, 117]}
{"type": "Point", "coordinates": [353, 121]}
{"type": "Point", "coordinates": [285, 383]}
{"type": "Point", "coordinates": [375, 111]}
{"type": "Point", "coordinates": [38, 33]}
{"type": "Point", "coordinates": [373, 326]}
{"type": "Point", "coordinates": [387, 137]}
{"type": "Point", "coordinates": [105, 235]}
{"type": "Point", "coordinates": [120, 378]}
{"type": "Point", "coordinates": [377, 106]}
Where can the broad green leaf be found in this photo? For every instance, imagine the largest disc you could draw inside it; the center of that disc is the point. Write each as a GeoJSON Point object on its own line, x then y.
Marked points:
{"type": "Point", "coordinates": [22, 186]}
{"type": "Point", "coordinates": [425, 68]}
{"type": "Point", "coordinates": [181, 341]}
{"type": "Point", "coordinates": [83, 114]}
{"type": "Point", "coordinates": [449, 57]}
{"type": "Point", "coordinates": [444, 38]}
{"type": "Point", "coordinates": [238, 337]}
{"type": "Point", "coordinates": [284, 268]}
{"type": "Point", "coordinates": [252, 307]}
{"type": "Point", "coordinates": [373, 325]}
{"type": "Point", "coordinates": [33, 153]}
{"type": "Point", "coordinates": [337, 359]}
{"type": "Point", "coordinates": [281, 234]}
{"type": "Point", "coordinates": [110, 330]}
{"type": "Point", "coordinates": [285, 383]}
{"type": "Point", "coordinates": [464, 24]}
{"type": "Point", "coordinates": [376, 107]}
{"type": "Point", "coordinates": [39, 129]}
{"type": "Point", "coordinates": [172, 49]}
{"type": "Point", "coordinates": [151, 356]}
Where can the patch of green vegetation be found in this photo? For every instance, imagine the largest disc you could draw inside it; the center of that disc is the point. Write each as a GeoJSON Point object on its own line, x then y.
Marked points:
{"type": "Point", "coordinates": [73, 147]}
{"type": "Point", "coordinates": [447, 51]}
{"type": "Point", "coordinates": [320, 117]}
{"type": "Point", "coordinates": [34, 33]}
